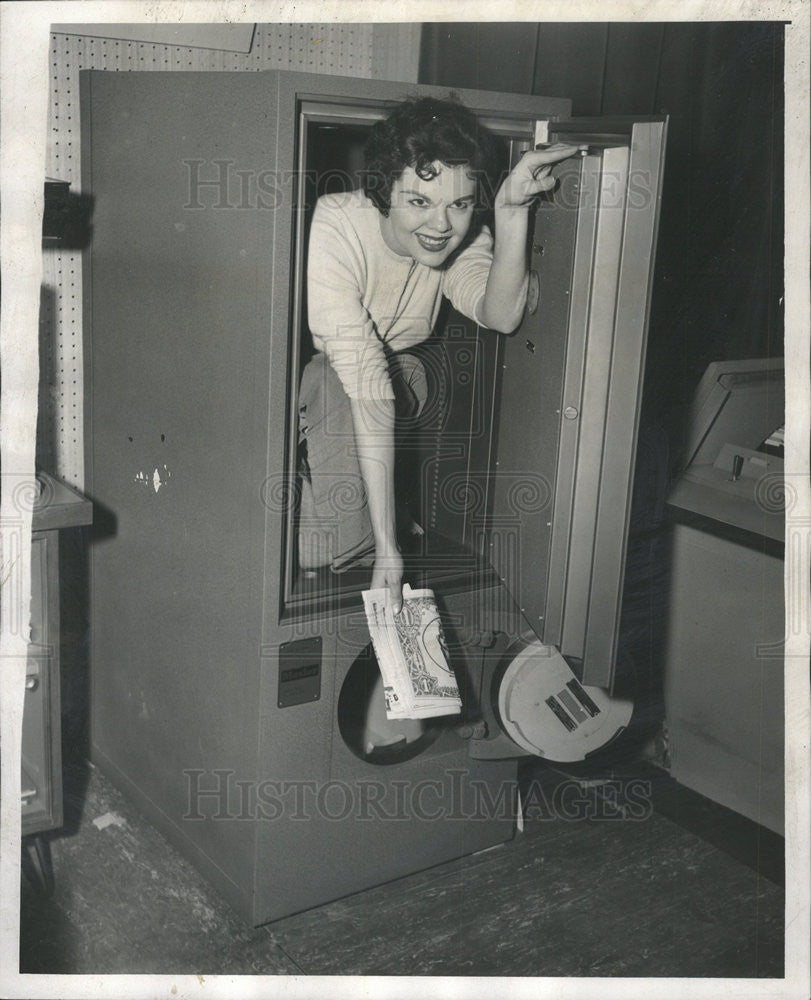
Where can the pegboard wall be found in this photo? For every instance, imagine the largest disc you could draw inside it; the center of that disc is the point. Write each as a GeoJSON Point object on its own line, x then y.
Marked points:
{"type": "Point", "coordinates": [379, 51]}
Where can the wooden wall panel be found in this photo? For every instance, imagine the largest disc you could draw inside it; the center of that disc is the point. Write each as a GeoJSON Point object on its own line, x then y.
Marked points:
{"type": "Point", "coordinates": [632, 61]}
{"type": "Point", "coordinates": [498, 56]}
{"type": "Point", "coordinates": [571, 63]}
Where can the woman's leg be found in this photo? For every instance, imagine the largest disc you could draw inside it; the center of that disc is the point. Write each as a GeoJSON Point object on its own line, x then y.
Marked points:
{"type": "Point", "coordinates": [410, 384]}
{"type": "Point", "coordinates": [334, 524]}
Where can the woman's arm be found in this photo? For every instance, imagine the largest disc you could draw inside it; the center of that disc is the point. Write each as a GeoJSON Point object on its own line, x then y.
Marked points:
{"type": "Point", "coordinates": [373, 421]}
{"type": "Point", "coordinates": [503, 303]}
{"type": "Point", "coordinates": [343, 330]}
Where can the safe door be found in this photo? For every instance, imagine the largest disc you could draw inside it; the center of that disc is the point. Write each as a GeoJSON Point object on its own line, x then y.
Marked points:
{"type": "Point", "coordinates": [569, 391]}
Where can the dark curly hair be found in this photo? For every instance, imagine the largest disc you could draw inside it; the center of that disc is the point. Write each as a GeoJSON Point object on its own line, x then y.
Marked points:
{"type": "Point", "coordinates": [418, 133]}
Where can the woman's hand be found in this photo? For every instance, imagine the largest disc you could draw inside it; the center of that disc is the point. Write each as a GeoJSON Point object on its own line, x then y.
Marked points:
{"type": "Point", "coordinates": [532, 175]}
{"type": "Point", "coordinates": [503, 305]}
{"type": "Point", "coordinates": [388, 572]}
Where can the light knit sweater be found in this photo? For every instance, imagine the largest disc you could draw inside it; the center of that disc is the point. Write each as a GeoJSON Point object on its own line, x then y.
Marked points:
{"type": "Point", "coordinates": [360, 292]}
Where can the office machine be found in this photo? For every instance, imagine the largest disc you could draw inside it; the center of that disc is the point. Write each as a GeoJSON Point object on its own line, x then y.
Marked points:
{"type": "Point", "coordinates": [725, 638]}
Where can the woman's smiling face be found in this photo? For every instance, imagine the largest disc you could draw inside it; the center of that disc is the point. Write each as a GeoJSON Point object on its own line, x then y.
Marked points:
{"type": "Point", "coordinates": [428, 219]}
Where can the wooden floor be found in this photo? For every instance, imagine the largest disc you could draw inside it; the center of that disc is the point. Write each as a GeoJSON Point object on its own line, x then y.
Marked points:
{"type": "Point", "coordinates": [605, 896]}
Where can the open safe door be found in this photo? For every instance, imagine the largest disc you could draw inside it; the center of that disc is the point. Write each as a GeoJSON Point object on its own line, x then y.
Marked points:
{"type": "Point", "coordinates": [570, 390]}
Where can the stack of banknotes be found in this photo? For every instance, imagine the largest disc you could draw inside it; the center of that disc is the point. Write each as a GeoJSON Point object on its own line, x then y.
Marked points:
{"type": "Point", "coordinates": [412, 654]}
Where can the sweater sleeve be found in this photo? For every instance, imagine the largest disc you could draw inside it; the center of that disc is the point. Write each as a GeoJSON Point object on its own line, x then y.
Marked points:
{"type": "Point", "coordinates": [466, 278]}
{"type": "Point", "coordinates": [339, 322]}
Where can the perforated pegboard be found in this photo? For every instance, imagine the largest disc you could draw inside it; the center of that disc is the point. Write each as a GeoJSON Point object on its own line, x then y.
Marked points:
{"type": "Point", "coordinates": [385, 51]}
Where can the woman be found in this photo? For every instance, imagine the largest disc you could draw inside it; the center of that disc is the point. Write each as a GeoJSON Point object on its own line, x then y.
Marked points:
{"type": "Point", "coordinates": [380, 259]}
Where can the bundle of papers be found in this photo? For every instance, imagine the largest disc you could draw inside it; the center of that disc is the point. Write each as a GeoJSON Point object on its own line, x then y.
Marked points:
{"type": "Point", "coordinates": [410, 647]}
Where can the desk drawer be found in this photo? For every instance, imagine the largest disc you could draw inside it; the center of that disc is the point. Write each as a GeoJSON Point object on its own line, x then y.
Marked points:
{"type": "Point", "coordinates": [41, 734]}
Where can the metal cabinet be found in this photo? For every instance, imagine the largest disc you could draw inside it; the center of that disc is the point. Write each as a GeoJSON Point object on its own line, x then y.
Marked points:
{"type": "Point", "coordinates": [202, 624]}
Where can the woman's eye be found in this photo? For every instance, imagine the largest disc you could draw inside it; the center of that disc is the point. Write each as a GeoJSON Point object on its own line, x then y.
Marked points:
{"type": "Point", "coordinates": [462, 205]}
{"type": "Point", "coordinates": [418, 202]}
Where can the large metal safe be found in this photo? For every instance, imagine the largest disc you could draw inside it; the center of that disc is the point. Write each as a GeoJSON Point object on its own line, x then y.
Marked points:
{"type": "Point", "coordinates": [226, 683]}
